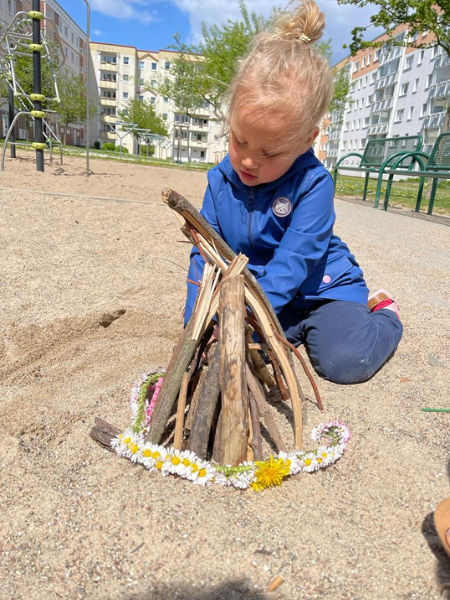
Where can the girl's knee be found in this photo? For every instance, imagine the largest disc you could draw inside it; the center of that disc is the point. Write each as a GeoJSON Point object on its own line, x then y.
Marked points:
{"type": "Point", "coordinates": [346, 367]}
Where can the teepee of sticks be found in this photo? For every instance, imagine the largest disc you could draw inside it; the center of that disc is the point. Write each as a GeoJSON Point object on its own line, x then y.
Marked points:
{"type": "Point", "coordinates": [213, 396]}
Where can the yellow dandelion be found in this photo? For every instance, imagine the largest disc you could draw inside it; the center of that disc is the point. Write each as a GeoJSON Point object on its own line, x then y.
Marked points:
{"type": "Point", "coordinates": [202, 473]}
{"type": "Point", "coordinates": [147, 453]}
{"type": "Point", "coordinates": [186, 462]}
{"type": "Point", "coordinates": [175, 460]}
{"type": "Point", "coordinates": [308, 461]}
{"type": "Point", "coordinates": [134, 449]}
{"type": "Point", "coordinates": [270, 472]}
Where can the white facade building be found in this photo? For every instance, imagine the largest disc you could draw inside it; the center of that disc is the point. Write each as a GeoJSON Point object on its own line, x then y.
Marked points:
{"type": "Point", "coordinates": [122, 73]}
{"type": "Point", "coordinates": [395, 92]}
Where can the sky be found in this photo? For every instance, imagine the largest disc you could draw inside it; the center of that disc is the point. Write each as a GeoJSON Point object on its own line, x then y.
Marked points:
{"type": "Point", "coordinates": [151, 24]}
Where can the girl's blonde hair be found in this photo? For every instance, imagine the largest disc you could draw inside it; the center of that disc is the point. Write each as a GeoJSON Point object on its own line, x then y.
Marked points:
{"type": "Point", "coordinates": [283, 71]}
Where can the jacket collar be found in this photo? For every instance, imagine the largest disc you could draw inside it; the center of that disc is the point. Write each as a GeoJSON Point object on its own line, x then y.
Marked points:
{"type": "Point", "coordinates": [304, 161]}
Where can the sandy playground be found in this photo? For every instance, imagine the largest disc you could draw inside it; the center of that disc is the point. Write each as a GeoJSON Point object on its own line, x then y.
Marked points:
{"type": "Point", "coordinates": [93, 285]}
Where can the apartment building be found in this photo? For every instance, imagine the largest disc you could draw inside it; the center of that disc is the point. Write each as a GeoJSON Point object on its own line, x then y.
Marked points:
{"type": "Point", "coordinates": [122, 73]}
{"type": "Point", "coordinates": [395, 92]}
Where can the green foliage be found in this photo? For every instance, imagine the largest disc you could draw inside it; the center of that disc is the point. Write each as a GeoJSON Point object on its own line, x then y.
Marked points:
{"type": "Point", "coordinates": [23, 68]}
{"type": "Point", "coordinates": [111, 147]}
{"type": "Point", "coordinates": [71, 110]}
{"type": "Point", "coordinates": [418, 15]}
{"type": "Point", "coordinates": [341, 91]}
{"type": "Point", "coordinates": [142, 114]}
{"type": "Point", "coordinates": [97, 145]}
{"type": "Point", "coordinates": [206, 70]}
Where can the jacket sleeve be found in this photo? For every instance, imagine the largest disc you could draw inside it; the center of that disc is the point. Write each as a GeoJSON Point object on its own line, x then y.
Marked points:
{"type": "Point", "coordinates": [303, 245]}
{"type": "Point", "coordinates": [197, 263]}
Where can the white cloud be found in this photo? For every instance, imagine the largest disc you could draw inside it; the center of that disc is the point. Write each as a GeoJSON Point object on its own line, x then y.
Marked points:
{"type": "Point", "coordinates": [97, 32]}
{"type": "Point", "coordinates": [124, 9]}
{"type": "Point", "coordinates": [340, 19]}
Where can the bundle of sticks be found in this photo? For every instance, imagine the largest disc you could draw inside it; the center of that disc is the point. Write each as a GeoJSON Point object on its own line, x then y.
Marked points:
{"type": "Point", "coordinates": [215, 387]}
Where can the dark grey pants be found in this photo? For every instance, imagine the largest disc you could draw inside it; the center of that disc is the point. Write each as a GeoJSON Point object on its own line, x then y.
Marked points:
{"type": "Point", "coordinates": [345, 341]}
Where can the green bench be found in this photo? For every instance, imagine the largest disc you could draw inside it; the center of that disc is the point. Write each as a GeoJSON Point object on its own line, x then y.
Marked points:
{"type": "Point", "coordinates": [435, 165]}
{"type": "Point", "coordinates": [378, 154]}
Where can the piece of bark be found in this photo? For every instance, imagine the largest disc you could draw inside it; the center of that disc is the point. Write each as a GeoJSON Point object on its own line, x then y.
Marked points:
{"type": "Point", "coordinates": [266, 415]}
{"type": "Point", "coordinates": [179, 425]}
{"type": "Point", "coordinates": [206, 407]}
{"type": "Point", "coordinates": [170, 388]}
{"type": "Point", "coordinates": [250, 451]}
{"type": "Point", "coordinates": [195, 397]}
{"type": "Point", "coordinates": [233, 382]}
{"type": "Point", "coordinates": [256, 429]}
{"type": "Point", "coordinates": [103, 432]}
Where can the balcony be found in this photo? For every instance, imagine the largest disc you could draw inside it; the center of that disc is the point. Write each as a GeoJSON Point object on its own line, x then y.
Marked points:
{"type": "Point", "coordinates": [108, 135]}
{"type": "Point", "coordinates": [334, 135]}
{"type": "Point", "coordinates": [394, 54]}
{"type": "Point", "coordinates": [108, 101]}
{"type": "Point", "coordinates": [108, 66]}
{"type": "Point", "coordinates": [440, 90]}
{"type": "Point", "coordinates": [432, 121]}
{"type": "Point", "coordinates": [383, 106]}
{"type": "Point", "coordinates": [108, 118]}
{"type": "Point", "coordinates": [378, 129]}
{"type": "Point", "coordinates": [107, 84]}
{"type": "Point", "coordinates": [386, 81]}
{"type": "Point", "coordinates": [332, 153]}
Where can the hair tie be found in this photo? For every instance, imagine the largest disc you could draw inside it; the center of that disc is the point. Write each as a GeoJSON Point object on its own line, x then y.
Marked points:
{"type": "Point", "coordinates": [303, 38]}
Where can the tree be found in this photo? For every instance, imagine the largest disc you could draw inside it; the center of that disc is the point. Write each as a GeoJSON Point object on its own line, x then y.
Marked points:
{"type": "Point", "coordinates": [212, 63]}
{"type": "Point", "coordinates": [418, 16]}
{"type": "Point", "coordinates": [71, 109]}
{"type": "Point", "coordinates": [341, 93]}
{"type": "Point", "coordinates": [143, 115]}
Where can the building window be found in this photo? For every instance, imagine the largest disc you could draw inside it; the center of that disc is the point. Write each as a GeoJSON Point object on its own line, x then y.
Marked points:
{"type": "Point", "coordinates": [166, 100]}
{"type": "Point", "coordinates": [433, 52]}
{"type": "Point", "coordinates": [404, 89]}
{"type": "Point", "coordinates": [153, 83]}
{"type": "Point", "coordinates": [429, 80]}
{"type": "Point", "coordinates": [202, 154]}
{"type": "Point", "coordinates": [165, 116]}
{"type": "Point", "coordinates": [376, 55]}
{"type": "Point", "coordinates": [125, 95]}
{"type": "Point", "coordinates": [154, 66]}
{"type": "Point", "coordinates": [399, 115]}
{"type": "Point", "coordinates": [420, 57]}
{"type": "Point", "coordinates": [416, 85]}
{"type": "Point", "coordinates": [153, 100]}
{"type": "Point", "coordinates": [410, 112]}
{"type": "Point", "coordinates": [110, 60]}
{"type": "Point", "coordinates": [140, 97]}
{"type": "Point", "coordinates": [356, 66]}
{"type": "Point", "coordinates": [142, 64]}
{"type": "Point", "coordinates": [141, 81]}
{"type": "Point", "coordinates": [66, 31]}
{"type": "Point", "coordinates": [409, 62]}
{"type": "Point", "coordinates": [424, 110]}
{"type": "Point", "coordinates": [363, 62]}
{"type": "Point", "coordinates": [126, 77]}
{"type": "Point", "coordinates": [369, 59]}
{"type": "Point", "coordinates": [167, 64]}
{"type": "Point", "coordinates": [126, 60]}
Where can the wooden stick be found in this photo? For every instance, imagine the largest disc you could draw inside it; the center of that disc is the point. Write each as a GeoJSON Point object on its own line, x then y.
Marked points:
{"type": "Point", "coordinates": [168, 393]}
{"type": "Point", "coordinates": [268, 327]}
{"type": "Point", "coordinates": [233, 383]}
{"type": "Point", "coordinates": [206, 407]}
{"type": "Point", "coordinates": [250, 452]}
{"type": "Point", "coordinates": [179, 425]}
{"type": "Point", "coordinates": [305, 368]}
{"type": "Point", "coordinates": [266, 415]}
{"type": "Point", "coordinates": [257, 439]}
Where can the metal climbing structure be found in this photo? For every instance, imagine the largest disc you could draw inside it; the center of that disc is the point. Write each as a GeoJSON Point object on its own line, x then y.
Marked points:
{"type": "Point", "coordinates": [20, 37]}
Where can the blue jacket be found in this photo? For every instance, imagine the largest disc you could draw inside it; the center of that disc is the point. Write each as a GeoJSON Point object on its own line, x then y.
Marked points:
{"type": "Point", "coordinates": [285, 228]}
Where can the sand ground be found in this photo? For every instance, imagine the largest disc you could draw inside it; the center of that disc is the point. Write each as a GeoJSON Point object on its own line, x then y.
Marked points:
{"type": "Point", "coordinates": [77, 522]}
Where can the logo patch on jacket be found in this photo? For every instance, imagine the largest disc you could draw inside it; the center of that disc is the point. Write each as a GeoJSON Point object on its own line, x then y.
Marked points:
{"type": "Point", "coordinates": [282, 207]}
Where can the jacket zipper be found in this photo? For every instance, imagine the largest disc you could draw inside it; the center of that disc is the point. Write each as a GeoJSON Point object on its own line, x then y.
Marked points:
{"type": "Point", "coordinates": [251, 201]}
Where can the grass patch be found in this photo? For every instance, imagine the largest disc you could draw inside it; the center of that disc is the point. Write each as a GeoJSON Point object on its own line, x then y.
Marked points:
{"type": "Point", "coordinates": [403, 193]}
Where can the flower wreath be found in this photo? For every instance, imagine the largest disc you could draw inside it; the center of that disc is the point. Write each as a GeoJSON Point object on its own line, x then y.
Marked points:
{"type": "Point", "coordinates": [332, 437]}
